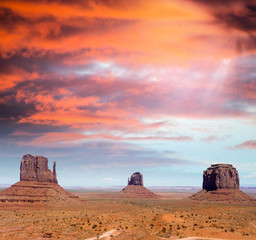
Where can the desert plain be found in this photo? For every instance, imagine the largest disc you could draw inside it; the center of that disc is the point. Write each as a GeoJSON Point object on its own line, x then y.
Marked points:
{"type": "Point", "coordinates": [172, 216]}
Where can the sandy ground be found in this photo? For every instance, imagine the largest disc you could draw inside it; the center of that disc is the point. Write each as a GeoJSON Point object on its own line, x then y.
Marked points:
{"type": "Point", "coordinates": [171, 217]}
{"type": "Point", "coordinates": [163, 195]}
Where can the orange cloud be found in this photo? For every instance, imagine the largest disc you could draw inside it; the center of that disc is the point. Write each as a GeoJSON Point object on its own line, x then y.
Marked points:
{"type": "Point", "coordinates": [9, 80]}
{"type": "Point", "coordinates": [146, 32]}
{"type": "Point", "coordinates": [115, 63]}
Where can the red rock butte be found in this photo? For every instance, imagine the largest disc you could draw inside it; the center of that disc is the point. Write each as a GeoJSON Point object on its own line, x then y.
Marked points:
{"type": "Point", "coordinates": [135, 188]}
{"type": "Point", "coordinates": [35, 168]}
{"type": "Point", "coordinates": [37, 184]}
{"type": "Point", "coordinates": [221, 183]}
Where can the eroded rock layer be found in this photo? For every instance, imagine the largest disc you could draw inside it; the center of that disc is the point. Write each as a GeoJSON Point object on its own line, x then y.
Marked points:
{"type": "Point", "coordinates": [222, 195]}
{"type": "Point", "coordinates": [137, 191]}
{"type": "Point", "coordinates": [36, 192]}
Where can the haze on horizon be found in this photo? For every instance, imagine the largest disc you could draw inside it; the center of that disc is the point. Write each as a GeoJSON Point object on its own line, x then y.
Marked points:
{"type": "Point", "coordinates": [109, 87]}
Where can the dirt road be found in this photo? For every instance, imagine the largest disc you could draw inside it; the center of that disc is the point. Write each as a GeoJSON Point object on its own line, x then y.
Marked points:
{"type": "Point", "coordinates": [108, 235]}
{"type": "Point", "coordinates": [115, 232]}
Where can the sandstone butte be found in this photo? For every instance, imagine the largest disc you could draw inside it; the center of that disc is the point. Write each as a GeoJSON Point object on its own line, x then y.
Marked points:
{"type": "Point", "coordinates": [221, 183]}
{"type": "Point", "coordinates": [37, 184]}
{"type": "Point", "coordinates": [135, 188]}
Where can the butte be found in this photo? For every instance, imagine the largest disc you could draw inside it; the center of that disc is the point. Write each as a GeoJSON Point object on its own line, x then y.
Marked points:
{"type": "Point", "coordinates": [135, 188]}
{"type": "Point", "coordinates": [37, 184]}
{"type": "Point", "coordinates": [221, 183]}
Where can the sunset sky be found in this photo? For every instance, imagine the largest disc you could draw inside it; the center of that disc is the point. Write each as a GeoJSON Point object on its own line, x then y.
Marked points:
{"type": "Point", "coordinates": [109, 87]}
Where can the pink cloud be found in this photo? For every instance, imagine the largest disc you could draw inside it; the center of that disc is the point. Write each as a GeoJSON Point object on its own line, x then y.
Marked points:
{"type": "Point", "coordinates": [59, 139]}
{"type": "Point", "coordinates": [212, 138]}
{"type": "Point", "coordinates": [251, 144]}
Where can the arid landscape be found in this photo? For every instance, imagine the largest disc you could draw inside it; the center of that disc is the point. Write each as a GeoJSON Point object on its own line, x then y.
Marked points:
{"type": "Point", "coordinates": [37, 207]}
{"type": "Point", "coordinates": [170, 217]}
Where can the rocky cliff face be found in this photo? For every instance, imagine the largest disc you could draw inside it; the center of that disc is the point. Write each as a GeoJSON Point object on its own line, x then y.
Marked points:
{"type": "Point", "coordinates": [35, 168]}
{"type": "Point", "coordinates": [136, 179]}
{"type": "Point", "coordinates": [221, 184]}
{"type": "Point", "coordinates": [220, 176]}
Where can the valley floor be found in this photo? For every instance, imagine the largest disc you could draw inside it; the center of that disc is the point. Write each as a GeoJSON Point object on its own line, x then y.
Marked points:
{"type": "Point", "coordinates": [166, 218]}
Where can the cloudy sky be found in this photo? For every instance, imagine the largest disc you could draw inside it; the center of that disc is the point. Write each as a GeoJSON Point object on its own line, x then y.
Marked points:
{"type": "Point", "coordinates": [109, 87]}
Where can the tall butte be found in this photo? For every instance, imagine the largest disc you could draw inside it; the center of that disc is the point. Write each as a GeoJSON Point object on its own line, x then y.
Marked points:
{"type": "Point", "coordinates": [221, 183]}
{"type": "Point", "coordinates": [135, 188]}
{"type": "Point", "coordinates": [35, 168]}
{"type": "Point", "coordinates": [37, 183]}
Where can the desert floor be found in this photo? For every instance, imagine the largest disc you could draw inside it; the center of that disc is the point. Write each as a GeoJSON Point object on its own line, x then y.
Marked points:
{"type": "Point", "coordinates": [171, 217]}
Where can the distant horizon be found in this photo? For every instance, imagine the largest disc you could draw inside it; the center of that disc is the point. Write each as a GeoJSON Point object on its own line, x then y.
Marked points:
{"type": "Point", "coordinates": [121, 186]}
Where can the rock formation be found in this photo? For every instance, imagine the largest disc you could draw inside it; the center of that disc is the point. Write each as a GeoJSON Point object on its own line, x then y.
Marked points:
{"type": "Point", "coordinates": [37, 184]}
{"type": "Point", "coordinates": [136, 179]}
{"type": "Point", "coordinates": [35, 168]}
{"type": "Point", "coordinates": [135, 188]}
{"type": "Point", "coordinates": [220, 176]}
{"type": "Point", "coordinates": [221, 183]}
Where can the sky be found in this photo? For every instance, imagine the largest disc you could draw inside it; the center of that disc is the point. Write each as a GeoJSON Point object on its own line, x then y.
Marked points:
{"type": "Point", "coordinates": [109, 87]}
